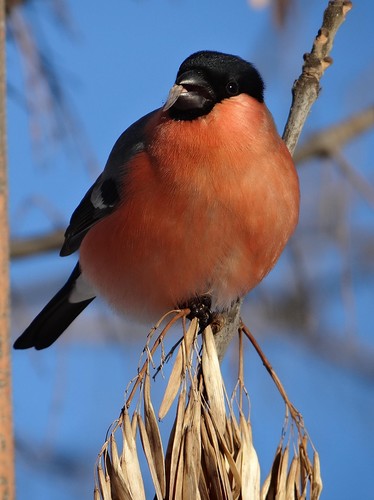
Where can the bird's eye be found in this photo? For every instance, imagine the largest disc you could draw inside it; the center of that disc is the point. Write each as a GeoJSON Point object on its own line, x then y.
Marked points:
{"type": "Point", "coordinates": [232, 88]}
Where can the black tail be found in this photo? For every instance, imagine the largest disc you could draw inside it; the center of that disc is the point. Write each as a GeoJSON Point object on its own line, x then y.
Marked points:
{"type": "Point", "coordinates": [56, 316]}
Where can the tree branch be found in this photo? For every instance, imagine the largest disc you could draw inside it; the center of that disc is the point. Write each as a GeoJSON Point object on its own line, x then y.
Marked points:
{"type": "Point", "coordinates": [355, 178]}
{"type": "Point", "coordinates": [306, 89]}
{"type": "Point", "coordinates": [327, 141]}
{"type": "Point", "coordinates": [37, 244]}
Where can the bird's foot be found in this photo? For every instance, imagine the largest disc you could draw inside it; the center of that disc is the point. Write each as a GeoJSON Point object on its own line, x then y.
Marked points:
{"type": "Point", "coordinates": [200, 308]}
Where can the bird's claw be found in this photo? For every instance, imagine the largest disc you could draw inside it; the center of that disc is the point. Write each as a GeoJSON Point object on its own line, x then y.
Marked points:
{"type": "Point", "coordinates": [200, 308]}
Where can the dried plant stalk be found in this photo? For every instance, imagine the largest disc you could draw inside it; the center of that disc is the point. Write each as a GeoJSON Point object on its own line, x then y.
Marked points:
{"type": "Point", "coordinates": [154, 437]}
{"type": "Point", "coordinates": [129, 459]}
{"type": "Point", "coordinates": [210, 453]}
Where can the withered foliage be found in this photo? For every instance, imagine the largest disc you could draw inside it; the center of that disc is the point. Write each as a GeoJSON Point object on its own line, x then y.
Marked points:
{"type": "Point", "coordinates": [210, 453]}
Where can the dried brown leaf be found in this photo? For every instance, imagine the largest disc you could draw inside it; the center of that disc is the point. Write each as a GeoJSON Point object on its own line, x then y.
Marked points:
{"type": "Point", "coordinates": [230, 465]}
{"type": "Point", "coordinates": [229, 438]}
{"type": "Point", "coordinates": [273, 486]}
{"type": "Point", "coordinates": [235, 431]}
{"type": "Point", "coordinates": [179, 474]}
{"type": "Point", "coordinates": [213, 381]}
{"type": "Point", "coordinates": [265, 487]}
{"type": "Point", "coordinates": [203, 488]}
{"type": "Point", "coordinates": [225, 478]}
{"type": "Point", "coordinates": [154, 437]}
{"type": "Point", "coordinates": [104, 483]}
{"type": "Point", "coordinates": [149, 456]}
{"type": "Point", "coordinates": [209, 464]}
{"type": "Point", "coordinates": [129, 460]}
{"type": "Point", "coordinates": [232, 473]}
{"type": "Point", "coordinates": [191, 474]}
{"type": "Point", "coordinates": [291, 490]}
{"type": "Point", "coordinates": [317, 485]}
{"type": "Point", "coordinates": [174, 383]}
{"type": "Point", "coordinates": [304, 467]}
{"type": "Point", "coordinates": [119, 488]}
{"type": "Point", "coordinates": [250, 467]}
{"type": "Point", "coordinates": [189, 338]}
{"type": "Point", "coordinates": [303, 491]}
{"type": "Point", "coordinates": [175, 443]}
{"type": "Point", "coordinates": [303, 494]}
{"type": "Point", "coordinates": [192, 450]}
{"type": "Point", "coordinates": [297, 480]}
{"type": "Point", "coordinates": [168, 458]}
{"type": "Point", "coordinates": [215, 439]}
{"type": "Point", "coordinates": [180, 457]}
{"type": "Point", "coordinates": [134, 424]}
{"type": "Point", "coordinates": [178, 371]}
{"type": "Point", "coordinates": [282, 475]}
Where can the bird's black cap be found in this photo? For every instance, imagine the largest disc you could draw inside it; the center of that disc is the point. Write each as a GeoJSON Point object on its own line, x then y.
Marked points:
{"type": "Point", "coordinates": [210, 77]}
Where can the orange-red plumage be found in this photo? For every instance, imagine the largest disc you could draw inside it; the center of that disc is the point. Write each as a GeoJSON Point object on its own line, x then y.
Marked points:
{"type": "Point", "coordinates": [208, 209]}
{"type": "Point", "coordinates": [197, 199]}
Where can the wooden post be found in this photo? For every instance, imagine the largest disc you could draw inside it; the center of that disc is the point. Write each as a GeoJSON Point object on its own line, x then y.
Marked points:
{"type": "Point", "coordinates": [6, 425]}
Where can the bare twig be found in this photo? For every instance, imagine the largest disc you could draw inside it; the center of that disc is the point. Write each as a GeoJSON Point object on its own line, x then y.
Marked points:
{"type": "Point", "coordinates": [306, 89]}
{"type": "Point", "coordinates": [12, 4]}
{"type": "Point", "coordinates": [142, 372]}
{"type": "Point", "coordinates": [355, 178]}
{"type": "Point", "coordinates": [293, 411]}
{"type": "Point", "coordinates": [325, 142]}
{"type": "Point", "coordinates": [29, 246]}
{"type": "Point", "coordinates": [51, 117]}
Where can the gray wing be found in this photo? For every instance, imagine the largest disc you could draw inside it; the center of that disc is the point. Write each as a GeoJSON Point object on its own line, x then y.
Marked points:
{"type": "Point", "coordinates": [103, 197]}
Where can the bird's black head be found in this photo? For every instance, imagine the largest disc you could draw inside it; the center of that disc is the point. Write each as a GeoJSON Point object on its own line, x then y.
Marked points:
{"type": "Point", "coordinates": [206, 78]}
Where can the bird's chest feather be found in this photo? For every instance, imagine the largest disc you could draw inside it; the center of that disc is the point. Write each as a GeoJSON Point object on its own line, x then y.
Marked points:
{"type": "Point", "coordinates": [207, 208]}
{"type": "Point", "coordinates": [227, 179]}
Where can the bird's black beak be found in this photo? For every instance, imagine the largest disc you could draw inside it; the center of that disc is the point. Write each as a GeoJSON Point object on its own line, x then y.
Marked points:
{"type": "Point", "coordinates": [191, 94]}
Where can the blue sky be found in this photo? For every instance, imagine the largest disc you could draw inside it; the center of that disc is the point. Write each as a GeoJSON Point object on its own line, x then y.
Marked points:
{"type": "Point", "coordinates": [116, 64]}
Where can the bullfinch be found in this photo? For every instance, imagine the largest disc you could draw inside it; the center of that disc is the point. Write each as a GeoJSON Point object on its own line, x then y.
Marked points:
{"type": "Point", "coordinates": [195, 205]}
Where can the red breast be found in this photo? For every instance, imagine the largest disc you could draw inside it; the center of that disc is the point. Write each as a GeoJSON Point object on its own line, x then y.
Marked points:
{"type": "Point", "coordinates": [207, 208]}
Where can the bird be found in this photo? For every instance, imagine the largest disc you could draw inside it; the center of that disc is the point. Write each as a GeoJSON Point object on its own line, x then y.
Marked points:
{"type": "Point", "coordinates": [195, 204]}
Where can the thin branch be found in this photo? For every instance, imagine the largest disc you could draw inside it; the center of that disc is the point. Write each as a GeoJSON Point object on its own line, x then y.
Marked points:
{"type": "Point", "coordinates": [306, 89]}
{"type": "Point", "coordinates": [293, 411]}
{"type": "Point", "coordinates": [26, 247]}
{"type": "Point", "coordinates": [180, 314]}
{"type": "Point", "coordinates": [12, 4]}
{"type": "Point", "coordinates": [51, 117]}
{"type": "Point", "coordinates": [355, 178]}
{"type": "Point", "coordinates": [327, 141]}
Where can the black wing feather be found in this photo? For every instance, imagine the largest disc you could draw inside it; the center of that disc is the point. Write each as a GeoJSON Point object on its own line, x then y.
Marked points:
{"type": "Point", "coordinates": [99, 201]}
{"type": "Point", "coordinates": [56, 316]}
{"type": "Point", "coordinates": [83, 218]}
{"type": "Point", "coordinates": [103, 197]}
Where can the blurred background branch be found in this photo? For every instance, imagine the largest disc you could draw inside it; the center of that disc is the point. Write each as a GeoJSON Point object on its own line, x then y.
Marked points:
{"type": "Point", "coordinates": [52, 118]}
{"type": "Point", "coordinates": [331, 139]}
